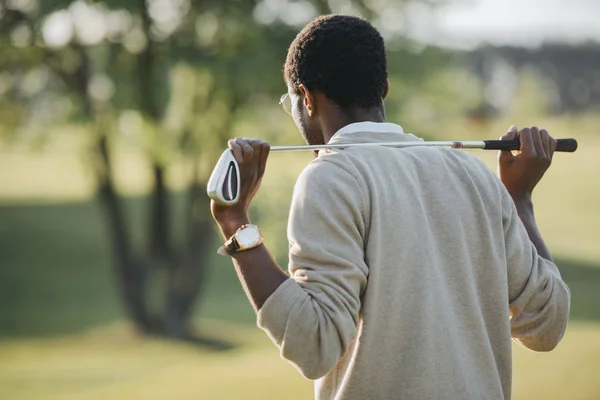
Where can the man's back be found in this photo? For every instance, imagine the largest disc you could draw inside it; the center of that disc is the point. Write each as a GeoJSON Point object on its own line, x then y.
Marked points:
{"type": "Point", "coordinates": [435, 309]}
{"type": "Point", "coordinates": [410, 276]}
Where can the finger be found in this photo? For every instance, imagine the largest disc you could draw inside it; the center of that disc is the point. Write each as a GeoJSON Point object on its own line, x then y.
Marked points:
{"type": "Point", "coordinates": [545, 139]}
{"type": "Point", "coordinates": [549, 143]}
{"type": "Point", "coordinates": [255, 150]}
{"type": "Point", "coordinates": [264, 155]}
{"type": "Point", "coordinates": [237, 151]}
{"type": "Point", "coordinates": [247, 150]}
{"type": "Point", "coordinates": [511, 134]}
{"type": "Point", "coordinates": [256, 144]}
{"type": "Point", "coordinates": [537, 142]}
{"type": "Point", "coordinates": [527, 145]}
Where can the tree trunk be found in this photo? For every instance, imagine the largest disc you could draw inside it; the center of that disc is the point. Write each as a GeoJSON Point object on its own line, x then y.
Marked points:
{"type": "Point", "coordinates": [131, 274]}
{"type": "Point", "coordinates": [159, 243]}
{"type": "Point", "coordinates": [185, 280]}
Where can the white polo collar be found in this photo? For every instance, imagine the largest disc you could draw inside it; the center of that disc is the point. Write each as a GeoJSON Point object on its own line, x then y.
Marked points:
{"type": "Point", "coordinates": [368, 126]}
{"type": "Point", "coordinates": [368, 132]}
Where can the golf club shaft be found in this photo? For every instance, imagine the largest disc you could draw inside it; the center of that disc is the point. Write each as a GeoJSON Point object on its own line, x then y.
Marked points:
{"type": "Point", "coordinates": [568, 145]}
{"type": "Point", "coordinates": [224, 183]}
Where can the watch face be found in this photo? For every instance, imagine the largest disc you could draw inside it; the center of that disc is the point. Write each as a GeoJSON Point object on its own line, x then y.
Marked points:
{"type": "Point", "coordinates": [248, 236]}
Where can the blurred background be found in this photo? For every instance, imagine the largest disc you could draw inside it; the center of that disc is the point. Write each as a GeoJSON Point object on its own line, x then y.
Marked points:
{"type": "Point", "coordinates": [113, 113]}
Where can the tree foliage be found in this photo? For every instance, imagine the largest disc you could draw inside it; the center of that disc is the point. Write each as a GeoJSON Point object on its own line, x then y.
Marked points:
{"type": "Point", "coordinates": [185, 69]}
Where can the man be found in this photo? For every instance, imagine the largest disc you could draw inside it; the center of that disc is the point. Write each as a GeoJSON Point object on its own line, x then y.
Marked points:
{"type": "Point", "coordinates": [409, 269]}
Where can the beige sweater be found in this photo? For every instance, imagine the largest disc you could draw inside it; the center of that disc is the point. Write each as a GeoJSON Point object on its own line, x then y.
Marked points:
{"type": "Point", "coordinates": [410, 271]}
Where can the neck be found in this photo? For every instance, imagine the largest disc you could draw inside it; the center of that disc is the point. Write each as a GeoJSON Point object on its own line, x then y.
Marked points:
{"type": "Point", "coordinates": [337, 120]}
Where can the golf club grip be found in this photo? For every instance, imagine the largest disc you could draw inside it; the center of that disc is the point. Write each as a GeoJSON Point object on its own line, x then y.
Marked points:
{"type": "Point", "coordinates": [568, 145]}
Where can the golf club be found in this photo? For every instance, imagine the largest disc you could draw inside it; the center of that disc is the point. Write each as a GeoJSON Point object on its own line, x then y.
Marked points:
{"type": "Point", "coordinates": [224, 183]}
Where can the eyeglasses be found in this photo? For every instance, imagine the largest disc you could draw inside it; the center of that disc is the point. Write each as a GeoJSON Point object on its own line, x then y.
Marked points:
{"type": "Point", "coordinates": [286, 103]}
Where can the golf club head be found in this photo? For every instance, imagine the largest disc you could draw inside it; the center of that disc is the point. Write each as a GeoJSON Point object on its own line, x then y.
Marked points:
{"type": "Point", "coordinates": [224, 183]}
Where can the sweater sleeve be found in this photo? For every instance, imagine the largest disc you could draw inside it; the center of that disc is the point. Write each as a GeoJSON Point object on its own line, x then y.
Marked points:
{"type": "Point", "coordinates": [313, 316]}
{"type": "Point", "coordinates": [539, 299]}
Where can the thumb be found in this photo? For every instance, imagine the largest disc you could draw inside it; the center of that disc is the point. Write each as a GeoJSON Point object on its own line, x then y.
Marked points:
{"type": "Point", "coordinates": [505, 156]}
{"type": "Point", "coordinates": [511, 134]}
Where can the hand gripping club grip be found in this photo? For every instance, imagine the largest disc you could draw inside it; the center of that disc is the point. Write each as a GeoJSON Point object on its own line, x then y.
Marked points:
{"type": "Point", "coordinates": [224, 183]}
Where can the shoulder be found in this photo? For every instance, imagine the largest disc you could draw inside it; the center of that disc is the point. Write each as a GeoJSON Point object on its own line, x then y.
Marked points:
{"type": "Point", "coordinates": [477, 169]}
{"type": "Point", "coordinates": [328, 168]}
{"type": "Point", "coordinates": [486, 181]}
{"type": "Point", "coordinates": [329, 178]}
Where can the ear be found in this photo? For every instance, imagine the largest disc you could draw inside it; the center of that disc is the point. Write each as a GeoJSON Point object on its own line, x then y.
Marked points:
{"type": "Point", "coordinates": [308, 100]}
{"type": "Point", "coordinates": [386, 89]}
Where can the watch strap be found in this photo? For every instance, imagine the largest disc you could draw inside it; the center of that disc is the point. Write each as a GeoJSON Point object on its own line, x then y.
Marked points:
{"type": "Point", "coordinates": [232, 245]}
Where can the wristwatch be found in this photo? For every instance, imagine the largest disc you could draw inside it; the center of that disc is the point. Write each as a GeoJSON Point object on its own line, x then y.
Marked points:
{"type": "Point", "coordinates": [246, 237]}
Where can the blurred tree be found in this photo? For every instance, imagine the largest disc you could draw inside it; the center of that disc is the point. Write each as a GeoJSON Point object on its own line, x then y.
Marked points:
{"type": "Point", "coordinates": [185, 69]}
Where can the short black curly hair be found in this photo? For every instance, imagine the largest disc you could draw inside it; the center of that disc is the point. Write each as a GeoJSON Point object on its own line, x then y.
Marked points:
{"type": "Point", "coordinates": [341, 56]}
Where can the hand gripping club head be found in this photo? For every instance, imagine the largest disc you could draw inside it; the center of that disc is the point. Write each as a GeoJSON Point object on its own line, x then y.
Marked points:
{"type": "Point", "coordinates": [224, 183]}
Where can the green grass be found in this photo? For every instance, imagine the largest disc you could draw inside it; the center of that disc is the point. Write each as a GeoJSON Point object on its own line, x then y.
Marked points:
{"type": "Point", "coordinates": [62, 334]}
{"type": "Point", "coordinates": [110, 362]}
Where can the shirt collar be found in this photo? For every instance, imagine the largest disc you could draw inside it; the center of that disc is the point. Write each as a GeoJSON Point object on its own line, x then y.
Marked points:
{"type": "Point", "coordinates": [361, 132]}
